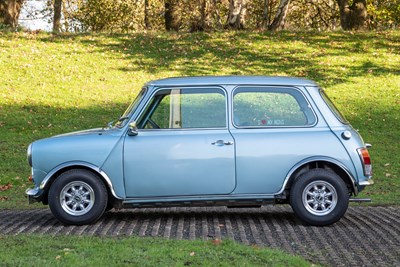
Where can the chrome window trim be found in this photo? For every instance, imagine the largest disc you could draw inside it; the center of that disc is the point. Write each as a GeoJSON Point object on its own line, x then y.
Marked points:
{"type": "Point", "coordinates": [274, 126]}
{"type": "Point", "coordinates": [144, 90]}
{"type": "Point", "coordinates": [336, 112]}
{"type": "Point", "coordinates": [155, 91]}
{"type": "Point", "coordinates": [181, 129]}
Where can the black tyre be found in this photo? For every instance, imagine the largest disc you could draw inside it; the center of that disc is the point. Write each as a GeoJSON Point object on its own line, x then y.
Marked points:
{"type": "Point", "coordinates": [109, 207]}
{"type": "Point", "coordinates": [78, 197]}
{"type": "Point", "coordinates": [319, 197]}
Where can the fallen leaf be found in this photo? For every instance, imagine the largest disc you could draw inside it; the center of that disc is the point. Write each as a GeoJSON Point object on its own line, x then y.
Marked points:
{"type": "Point", "coordinates": [58, 257]}
{"type": "Point", "coordinates": [5, 187]}
{"type": "Point", "coordinates": [217, 242]}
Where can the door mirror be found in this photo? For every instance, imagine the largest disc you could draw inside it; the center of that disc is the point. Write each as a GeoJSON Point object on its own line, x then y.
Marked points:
{"type": "Point", "coordinates": [133, 130]}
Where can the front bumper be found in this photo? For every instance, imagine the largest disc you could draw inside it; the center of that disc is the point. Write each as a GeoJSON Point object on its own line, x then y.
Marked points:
{"type": "Point", "coordinates": [34, 195]}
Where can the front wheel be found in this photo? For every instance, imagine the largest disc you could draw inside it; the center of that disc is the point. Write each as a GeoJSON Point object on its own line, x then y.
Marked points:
{"type": "Point", "coordinates": [319, 197]}
{"type": "Point", "coordinates": [78, 197]}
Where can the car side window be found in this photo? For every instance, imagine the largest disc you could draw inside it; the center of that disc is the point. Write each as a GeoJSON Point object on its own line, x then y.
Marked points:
{"type": "Point", "coordinates": [271, 107]}
{"type": "Point", "coordinates": [185, 108]}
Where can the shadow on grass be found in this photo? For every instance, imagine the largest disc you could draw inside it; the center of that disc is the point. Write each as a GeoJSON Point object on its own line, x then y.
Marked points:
{"type": "Point", "coordinates": [21, 125]}
{"type": "Point", "coordinates": [303, 54]}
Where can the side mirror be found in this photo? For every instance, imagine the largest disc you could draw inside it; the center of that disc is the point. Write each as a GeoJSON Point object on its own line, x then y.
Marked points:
{"type": "Point", "coordinates": [133, 130]}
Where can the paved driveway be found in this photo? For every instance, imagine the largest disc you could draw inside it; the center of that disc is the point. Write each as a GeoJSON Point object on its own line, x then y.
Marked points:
{"type": "Point", "coordinates": [366, 236]}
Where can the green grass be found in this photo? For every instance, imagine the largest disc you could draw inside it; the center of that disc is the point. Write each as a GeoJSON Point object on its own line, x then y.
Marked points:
{"type": "Point", "coordinates": [38, 250]}
{"type": "Point", "coordinates": [51, 85]}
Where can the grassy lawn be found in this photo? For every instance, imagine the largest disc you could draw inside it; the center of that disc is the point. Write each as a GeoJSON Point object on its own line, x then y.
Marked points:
{"type": "Point", "coordinates": [23, 250]}
{"type": "Point", "coordinates": [51, 85]}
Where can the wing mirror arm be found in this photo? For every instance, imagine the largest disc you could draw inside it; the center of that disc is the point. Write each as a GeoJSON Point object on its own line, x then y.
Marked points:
{"type": "Point", "coordinates": [133, 130]}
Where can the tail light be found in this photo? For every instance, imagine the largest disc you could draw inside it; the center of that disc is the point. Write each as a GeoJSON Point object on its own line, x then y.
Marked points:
{"type": "Point", "coordinates": [365, 160]}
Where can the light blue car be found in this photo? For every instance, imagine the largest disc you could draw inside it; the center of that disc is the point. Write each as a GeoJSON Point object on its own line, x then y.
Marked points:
{"type": "Point", "coordinates": [237, 141]}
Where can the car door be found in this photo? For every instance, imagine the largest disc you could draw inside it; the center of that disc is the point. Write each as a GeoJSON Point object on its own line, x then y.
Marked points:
{"type": "Point", "coordinates": [274, 129]}
{"type": "Point", "coordinates": [183, 146]}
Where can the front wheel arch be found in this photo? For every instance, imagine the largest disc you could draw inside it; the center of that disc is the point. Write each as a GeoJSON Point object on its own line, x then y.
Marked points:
{"type": "Point", "coordinates": [77, 197]}
{"type": "Point", "coordinates": [111, 197]}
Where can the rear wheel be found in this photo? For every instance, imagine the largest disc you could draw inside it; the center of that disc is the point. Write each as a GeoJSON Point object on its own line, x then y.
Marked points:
{"type": "Point", "coordinates": [319, 197]}
{"type": "Point", "coordinates": [78, 197]}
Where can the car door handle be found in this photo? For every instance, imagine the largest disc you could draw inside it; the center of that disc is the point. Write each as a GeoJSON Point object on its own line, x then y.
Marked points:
{"type": "Point", "coordinates": [222, 143]}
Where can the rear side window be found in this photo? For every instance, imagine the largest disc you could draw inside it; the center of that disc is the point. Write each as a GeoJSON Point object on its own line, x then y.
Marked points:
{"type": "Point", "coordinates": [271, 107]}
{"type": "Point", "coordinates": [332, 106]}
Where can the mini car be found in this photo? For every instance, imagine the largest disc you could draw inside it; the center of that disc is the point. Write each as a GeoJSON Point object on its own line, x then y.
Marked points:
{"type": "Point", "coordinates": [236, 141]}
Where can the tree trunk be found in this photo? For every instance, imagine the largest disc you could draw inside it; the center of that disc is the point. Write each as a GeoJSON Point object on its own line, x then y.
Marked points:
{"type": "Point", "coordinates": [265, 21]}
{"type": "Point", "coordinates": [203, 21]}
{"type": "Point", "coordinates": [172, 19]}
{"type": "Point", "coordinates": [216, 14]}
{"type": "Point", "coordinates": [204, 15]}
{"type": "Point", "coordinates": [352, 17]}
{"type": "Point", "coordinates": [237, 13]}
{"type": "Point", "coordinates": [147, 24]}
{"type": "Point", "coordinates": [57, 16]}
{"type": "Point", "coordinates": [279, 19]}
{"type": "Point", "coordinates": [9, 12]}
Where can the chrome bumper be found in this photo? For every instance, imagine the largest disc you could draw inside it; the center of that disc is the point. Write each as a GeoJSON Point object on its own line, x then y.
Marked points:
{"type": "Point", "coordinates": [34, 194]}
{"type": "Point", "coordinates": [367, 182]}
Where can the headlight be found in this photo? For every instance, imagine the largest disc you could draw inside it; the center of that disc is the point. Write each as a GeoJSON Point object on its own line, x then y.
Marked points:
{"type": "Point", "coordinates": [29, 155]}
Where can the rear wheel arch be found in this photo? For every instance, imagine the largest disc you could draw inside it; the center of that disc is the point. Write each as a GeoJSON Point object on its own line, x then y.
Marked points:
{"type": "Point", "coordinates": [319, 197]}
{"type": "Point", "coordinates": [324, 164]}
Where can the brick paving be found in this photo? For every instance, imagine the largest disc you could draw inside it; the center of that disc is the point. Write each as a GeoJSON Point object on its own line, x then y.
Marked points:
{"type": "Point", "coordinates": [366, 236]}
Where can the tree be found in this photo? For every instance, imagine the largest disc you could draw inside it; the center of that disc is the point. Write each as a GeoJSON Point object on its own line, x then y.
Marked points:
{"type": "Point", "coordinates": [313, 14]}
{"type": "Point", "coordinates": [265, 18]}
{"type": "Point", "coordinates": [237, 12]}
{"type": "Point", "coordinates": [352, 17]}
{"type": "Point", "coordinates": [280, 15]}
{"type": "Point", "coordinates": [172, 19]}
{"type": "Point", "coordinates": [57, 16]}
{"type": "Point", "coordinates": [9, 12]}
{"type": "Point", "coordinates": [202, 14]}
{"type": "Point", "coordinates": [383, 14]}
{"type": "Point", "coordinates": [147, 23]}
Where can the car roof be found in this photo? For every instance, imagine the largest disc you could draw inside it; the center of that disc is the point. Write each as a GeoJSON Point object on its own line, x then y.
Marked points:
{"type": "Point", "coordinates": [232, 80]}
